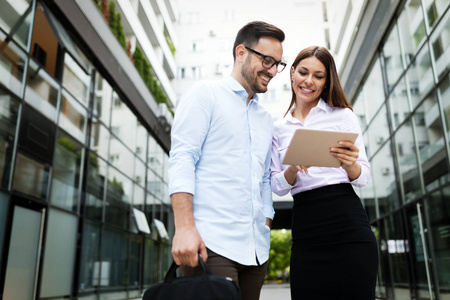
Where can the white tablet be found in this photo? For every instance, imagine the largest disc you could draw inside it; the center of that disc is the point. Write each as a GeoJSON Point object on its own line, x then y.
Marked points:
{"type": "Point", "coordinates": [311, 147]}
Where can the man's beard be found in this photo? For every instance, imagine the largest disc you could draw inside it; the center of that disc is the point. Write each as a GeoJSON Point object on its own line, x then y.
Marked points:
{"type": "Point", "coordinates": [252, 80]}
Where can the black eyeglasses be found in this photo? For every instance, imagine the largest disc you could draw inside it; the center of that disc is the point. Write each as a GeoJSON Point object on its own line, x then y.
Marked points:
{"type": "Point", "coordinates": [268, 61]}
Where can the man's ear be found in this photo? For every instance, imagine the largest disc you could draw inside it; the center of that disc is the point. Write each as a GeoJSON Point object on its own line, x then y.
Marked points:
{"type": "Point", "coordinates": [240, 52]}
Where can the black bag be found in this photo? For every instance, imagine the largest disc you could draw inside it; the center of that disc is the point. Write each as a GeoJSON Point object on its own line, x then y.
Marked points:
{"type": "Point", "coordinates": [203, 287]}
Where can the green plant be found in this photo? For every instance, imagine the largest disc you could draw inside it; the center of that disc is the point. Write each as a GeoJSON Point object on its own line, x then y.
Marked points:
{"type": "Point", "coordinates": [280, 253]}
{"type": "Point", "coordinates": [115, 23]}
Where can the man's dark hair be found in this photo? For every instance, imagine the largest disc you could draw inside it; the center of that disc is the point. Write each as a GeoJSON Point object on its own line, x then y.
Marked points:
{"type": "Point", "coordinates": [250, 34]}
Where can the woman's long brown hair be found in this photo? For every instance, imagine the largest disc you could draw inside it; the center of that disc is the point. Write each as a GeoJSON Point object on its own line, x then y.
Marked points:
{"type": "Point", "coordinates": [333, 93]}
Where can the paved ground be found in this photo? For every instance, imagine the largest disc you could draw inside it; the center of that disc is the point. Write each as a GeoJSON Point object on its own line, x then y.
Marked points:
{"type": "Point", "coordinates": [275, 291]}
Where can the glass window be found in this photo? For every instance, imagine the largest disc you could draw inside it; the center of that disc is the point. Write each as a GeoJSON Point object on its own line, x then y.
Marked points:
{"type": "Point", "coordinates": [135, 264]}
{"type": "Point", "coordinates": [138, 196]}
{"type": "Point", "coordinates": [149, 264]}
{"type": "Point", "coordinates": [102, 100]}
{"type": "Point", "coordinates": [399, 104]}
{"type": "Point", "coordinates": [155, 156]}
{"type": "Point", "coordinates": [430, 139]}
{"type": "Point", "coordinates": [89, 261]}
{"type": "Point", "coordinates": [9, 108]}
{"type": "Point", "coordinates": [114, 259]}
{"type": "Point", "coordinates": [100, 138]}
{"type": "Point", "coordinates": [31, 176]}
{"type": "Point", "coordinates": [118, 198]}
{"type": "Point", "coordinates": [444, 91]}
{"type": "Point", "coordinates": [438, 210]}
{"type": "Point", "coordinates": [123, 122]}
{"type": "Point", "coordinates": [4, 208]}
{"type": "Point", "coordinates": [412, 28]}
{"type": "Point", "coordinates": [407, 159]}
{"type": "Point", "coordinates": [373, 90]}
{"type": "Point", "coordinates": [41, 90]}
{"type": "Point", "coordinates": [76, 80]}
{"type": "Point", "coordinates": [59, 257]}
{"type": "Point", "coordinates": [121, 157]}
{"type": "Point", "coordinates": [394, 246]}
{"type": "Point", "coordinates": [359, 108]}
{"type": "Point", "coordinates": [73, 117]}
{"type": "Point", "coordinates": [139, 173]}
{"type": "Point", "coordinates": [95, 187]}
{"type": "Point", "coordinates": [420, 76]}
{"type": "Point", "coordinates": [392, 57]}
{"type": "Point", "coordinates": [66, 181]}
{"type": "Point", "coordinates": [15, 19]}
{"type": "Point", "coordinates": [378, 131]}
{"type": "Point", "coordinates": [384, 180]}
{"type": "Point", "coordinates": [440, 44]}
{"type": "Point", "coordinates": [141, 141]}
{"type": "Point", "coordinates": [12, 62]}
{"type": "Point", "coordinates": [434, 10]}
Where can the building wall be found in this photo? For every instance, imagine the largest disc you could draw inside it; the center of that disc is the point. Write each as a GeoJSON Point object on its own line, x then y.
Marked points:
{"type": "Point", "coordinates": [83, 153]}
{"type": "Point", "coordinates": [396, 72]}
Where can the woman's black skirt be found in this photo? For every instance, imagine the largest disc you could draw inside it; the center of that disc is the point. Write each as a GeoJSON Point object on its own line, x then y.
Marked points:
{"type": "Point", "coordinates": [334, 251]}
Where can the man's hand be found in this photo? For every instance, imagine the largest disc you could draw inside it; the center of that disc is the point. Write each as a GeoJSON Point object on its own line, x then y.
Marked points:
{"type": "Point", "coordinates": [187, 242]}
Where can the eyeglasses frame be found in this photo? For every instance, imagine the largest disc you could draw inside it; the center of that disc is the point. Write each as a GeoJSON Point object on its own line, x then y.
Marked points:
{"type": "Point", "coordinates": [276, 62]}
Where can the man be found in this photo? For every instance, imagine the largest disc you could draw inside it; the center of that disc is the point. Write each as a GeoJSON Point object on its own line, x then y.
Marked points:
{"type": "Point", "coordinates": [219, 166]}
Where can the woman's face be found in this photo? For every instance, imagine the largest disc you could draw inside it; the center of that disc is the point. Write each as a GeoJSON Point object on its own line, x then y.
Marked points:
{"type": "Point", "coordinates": [309, 79]}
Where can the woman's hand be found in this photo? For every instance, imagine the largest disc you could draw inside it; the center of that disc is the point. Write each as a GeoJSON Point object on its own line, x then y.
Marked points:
{"type": "Point", "coordinates": [291, 173]}
{"type": "Point", "coordinates": [347, 155]}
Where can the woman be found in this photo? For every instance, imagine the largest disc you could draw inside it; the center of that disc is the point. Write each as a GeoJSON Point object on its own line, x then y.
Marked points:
{"type": "Point", "coordinates": [334, 251]}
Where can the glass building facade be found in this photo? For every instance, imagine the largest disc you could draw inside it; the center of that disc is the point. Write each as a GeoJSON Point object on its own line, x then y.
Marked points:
{"type": "Point", "coordinates": [84, 210]}
{"type": "Point", "coordinates": [403, 104]}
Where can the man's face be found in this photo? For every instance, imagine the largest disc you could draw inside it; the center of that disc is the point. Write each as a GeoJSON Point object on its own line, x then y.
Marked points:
{"type": "Point", "coordinates": [255, 75]}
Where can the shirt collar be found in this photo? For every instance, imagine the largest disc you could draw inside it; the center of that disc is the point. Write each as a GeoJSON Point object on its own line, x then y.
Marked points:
{"type": "Point", "coordinates": [322, 105]}
{"type": "Point", "coordinates": [238, 89]}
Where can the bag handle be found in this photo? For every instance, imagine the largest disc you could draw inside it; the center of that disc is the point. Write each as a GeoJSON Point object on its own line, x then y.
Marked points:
{"type": "Point", "coordinates": [172, 272]}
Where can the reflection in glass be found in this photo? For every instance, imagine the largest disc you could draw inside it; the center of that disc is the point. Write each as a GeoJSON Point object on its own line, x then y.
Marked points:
{"type": "Point", "coordinates": [135, 265]}
{"type": "Point", "coordinates": [393, 57]}
{"type": "Point", "coordinates": [412, 28]}
{"type": "Point", "coordinates": [438, 210]}
{"type": "Point", "coordinates": [59, 258]}
{"type": "Point", "coordinates": [102, 100]}
{"type": "Point", "coordinates": [114, 259]}
{"type": "Point", "coordinates": [444, 92]}
{"type": "Point", "coordinates": [12, 63]}
{"type": "Point", "coordinates": [139, 172]}
{"type": "Point", "coordinates": [9, 108]}
{"type": "Point", "coordinates": [41, 90]}
{"type": "Point", "coordinates": [30, 177]}
{"type": "Point", "coordinates": [121, 157]}
{"type": "Point", "coordinates": [420, 76]}
{"type": "Point", "coordinates": [407, 158]}
{"type": "Point", "coordinates": [73, 117]}
{"type": "Point", "coordinates": [15, 19]}
{"type": "Point", "coordinates": [67, 173]}
{"type": "Point", "coordinates": [76, 80]}
{"type": "Point", "coordinates": [417, 251]}
{"type": "Point", "coordinates": [141, 141]}
{"type": "Point", "coordinates": [89, 262]}
{"type": "Point", "coordinates": [396, 247]}
{"type": "Point", "coordinates": [118, 198]}
{"type": "Point", "coordinates": [383, 175]}
{"type": "Point", "coordinates": [373, 91]}
{"type": "Point", "coordinates": [434, 10]}
{"type": "Point", "coordinates": [4, 208]}
{"type": "Point", "coordinates": [378, 131]}
{"type": "Point", "coordinates": [399, 104]}
{"type": "Point", "coordinates": [100, 137]}
{"type": "Point", "coordinates": [149, 264]}
{"type": "Point", "coordinates": [123, 122]}
{"type": "Point", "coordinates": [440, 44]}
{"type": "Point", "coordinates": [95, 187]}
{"type": "Point", "coordinates": [430, 139]}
